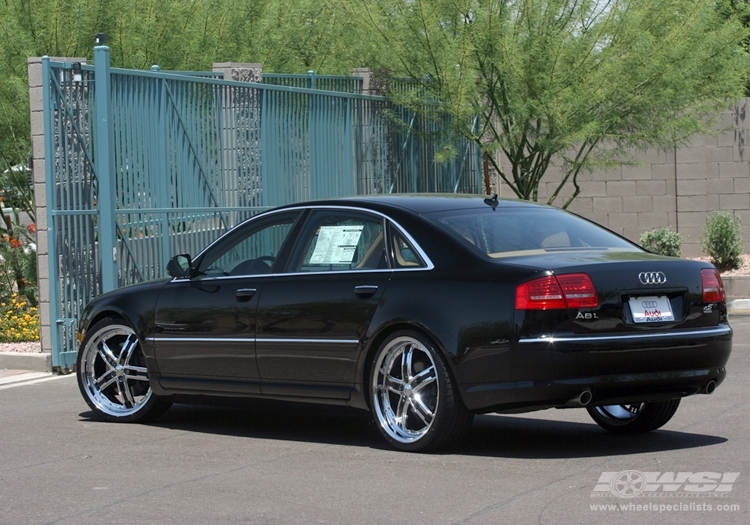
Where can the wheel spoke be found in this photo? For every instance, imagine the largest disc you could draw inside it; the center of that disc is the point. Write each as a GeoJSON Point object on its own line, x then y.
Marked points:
{"type": "Point", "coordinates": [125, 388]}
{"type": "Point", "coordinates": [421, 410]}
{"type": "Point", "coordinates": [406, 361]}
{"type": "Point", "coordinates": [128, 347]}
{"type": "Point", "coordinates": [132, 373]}
{"type": "Point", "coordinates": [103, 386]}
{"type": "Point", "coordinates": [402, 412]}
{"type": "Point", "coordinates": [121, 388]}
{"type": "Point", "coordinates": [393, 384]}
{"type": "Point", "coordinates": [424, 378]}
{"type": "Point", "coordinates": [107, 356]}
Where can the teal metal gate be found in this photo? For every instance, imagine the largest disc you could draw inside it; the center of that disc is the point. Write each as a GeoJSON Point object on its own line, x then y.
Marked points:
{"type": "Point", "coordinates": [141, 165]}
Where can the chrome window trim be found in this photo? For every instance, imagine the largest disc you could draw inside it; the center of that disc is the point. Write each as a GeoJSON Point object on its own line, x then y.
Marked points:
{"type": "Point", "coordinates": [428, 263]}
{"type": "Point", "coordinates": [249, 340]}
{"type": "Point", "coordinates": [662, 335]}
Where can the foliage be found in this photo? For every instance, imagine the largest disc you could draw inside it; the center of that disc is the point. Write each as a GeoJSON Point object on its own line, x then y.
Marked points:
{"type": "Point", "coordinates": [663, 241]}
{"type": "Point", "coordinates": [18, 321]}
{"type": "Point", "coordinates": [18, 270]}
{"type": "Point", "coordinates": [722, 240]}
{"type": "Point", "coordinates": [740, 10]}
{"type": "Point", "coordinates": [576, 80]}
{"type": "Point", "coordinates": [581, 81]}
{"type": "Point", "coordinates": [285, 35]}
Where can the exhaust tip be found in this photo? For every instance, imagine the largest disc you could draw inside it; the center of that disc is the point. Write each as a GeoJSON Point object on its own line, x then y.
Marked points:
{"type": "Point", "coordinates": [585, 397]}
{"type": "Point", "coordinates": [709, 387]}
{"type": "Point", "coordinates": [580, 400]}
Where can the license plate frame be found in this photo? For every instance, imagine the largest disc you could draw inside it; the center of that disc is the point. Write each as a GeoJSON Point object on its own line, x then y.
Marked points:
{"type": "Point", "coordinates": [651, 309]}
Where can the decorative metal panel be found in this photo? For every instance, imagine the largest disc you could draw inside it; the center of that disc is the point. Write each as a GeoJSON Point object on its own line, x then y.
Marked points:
{"type": "Point", "coordinates": [147, 164]}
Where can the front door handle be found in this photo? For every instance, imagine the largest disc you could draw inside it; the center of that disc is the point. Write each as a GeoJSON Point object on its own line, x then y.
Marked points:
{"type": "Point", "coordinates": [365, 291]}
{"type": "Point", "coordinates": [245, 294]}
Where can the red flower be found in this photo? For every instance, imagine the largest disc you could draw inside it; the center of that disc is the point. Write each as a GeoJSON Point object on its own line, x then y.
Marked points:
{"type": "Point", "coordinates": [32, 228]}
{"type": "Point", "coordinates": [15, 243]}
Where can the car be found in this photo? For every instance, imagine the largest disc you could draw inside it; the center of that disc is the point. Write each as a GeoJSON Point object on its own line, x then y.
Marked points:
{"type": "Point", "coordinates": [423, 310]}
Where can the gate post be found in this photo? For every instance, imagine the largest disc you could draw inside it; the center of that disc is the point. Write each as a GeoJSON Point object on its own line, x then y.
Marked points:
{"type": "Point", "coordinates": [105, 168]}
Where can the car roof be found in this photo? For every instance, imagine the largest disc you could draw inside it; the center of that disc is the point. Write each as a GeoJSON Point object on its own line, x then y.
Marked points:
{"type": "Point", "coordinates": [416, 203]}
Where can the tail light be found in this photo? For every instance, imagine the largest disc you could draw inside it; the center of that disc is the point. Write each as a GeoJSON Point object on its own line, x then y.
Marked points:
{"type": "Point", "coordinates": [713, 288]}
{"type": "Point", "coordinates": [554, 292]}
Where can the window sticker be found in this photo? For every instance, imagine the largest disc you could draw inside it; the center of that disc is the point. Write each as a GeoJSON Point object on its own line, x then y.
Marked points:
{"type": "Point", "coordinates": [336, 244]}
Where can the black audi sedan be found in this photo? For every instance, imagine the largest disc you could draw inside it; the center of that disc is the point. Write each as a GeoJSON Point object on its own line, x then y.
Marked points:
{"type": "Point", "coordinates": [424, 310]}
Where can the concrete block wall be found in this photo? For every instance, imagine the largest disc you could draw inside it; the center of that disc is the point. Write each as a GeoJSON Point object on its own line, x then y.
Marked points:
{"type": "Point", "coordinates": [677, 188]}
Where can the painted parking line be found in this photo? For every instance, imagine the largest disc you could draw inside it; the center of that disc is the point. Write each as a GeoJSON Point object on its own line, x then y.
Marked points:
{"type": "Point", "coordinates": [32, 378]}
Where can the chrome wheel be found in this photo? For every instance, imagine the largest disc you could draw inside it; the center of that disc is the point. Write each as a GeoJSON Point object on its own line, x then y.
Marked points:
{"type": "Point", "coordinates": [112, 374]}
{"type": "Point", "coordinates": [634, 418]}
{"type": "Point", "coordinates": [405, 392]}
{"type": "Point", "coordinates": [621, 414]}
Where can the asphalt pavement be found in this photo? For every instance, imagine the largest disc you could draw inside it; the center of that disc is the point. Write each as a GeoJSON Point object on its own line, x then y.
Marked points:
{"type": "Point", "coordinates": [275, 463]}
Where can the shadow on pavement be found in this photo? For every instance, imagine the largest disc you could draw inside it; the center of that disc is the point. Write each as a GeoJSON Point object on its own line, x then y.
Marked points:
{"type": "Point", "coordinates": [490, 435]}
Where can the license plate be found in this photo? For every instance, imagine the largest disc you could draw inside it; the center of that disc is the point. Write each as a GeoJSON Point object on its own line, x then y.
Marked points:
{"type": "Point", "coordinates": [651, 309]}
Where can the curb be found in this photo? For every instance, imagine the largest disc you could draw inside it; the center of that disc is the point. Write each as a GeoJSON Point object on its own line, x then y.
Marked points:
{"type": "Point", "coordinates": [26, 361]}
{"type": "Point", "coordinates": [739, 307]}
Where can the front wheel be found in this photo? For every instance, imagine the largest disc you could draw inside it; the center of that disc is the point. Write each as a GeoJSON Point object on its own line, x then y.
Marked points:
{"type": "Point", "coordinates": [634, 418]}
{"type": "Point", "coordinates": [414, 400]}
{"type": "Point", "coordinates": [112, 374]}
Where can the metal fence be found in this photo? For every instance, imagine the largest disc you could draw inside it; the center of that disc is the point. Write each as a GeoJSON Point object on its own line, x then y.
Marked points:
{"type": "Point", "coordinates": [141, 165]}
{"type": "Point", "coordinates": [312, 81]}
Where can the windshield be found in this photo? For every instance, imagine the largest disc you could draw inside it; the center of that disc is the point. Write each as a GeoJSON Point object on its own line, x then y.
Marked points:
{"type": "Point", "coordinates": [508, 231]}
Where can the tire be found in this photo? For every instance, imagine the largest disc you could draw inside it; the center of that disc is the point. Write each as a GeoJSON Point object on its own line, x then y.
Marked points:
{"type": "Point", "coordinates": [112, 374]}
{"type": "Point", "coordinates": [414, 400]}
{"type": "Point", "coordinates": [635, 418]}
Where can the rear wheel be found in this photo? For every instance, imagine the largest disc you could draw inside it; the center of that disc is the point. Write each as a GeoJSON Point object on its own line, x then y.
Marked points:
{"type": "Point", "coordinates": [635, 418]}
{"type": "Point", "coordinates": [414, 400]}
{"type": "Point", "coordinates": [113, 376]}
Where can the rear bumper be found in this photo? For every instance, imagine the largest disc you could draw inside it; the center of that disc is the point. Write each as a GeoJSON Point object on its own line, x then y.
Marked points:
{"type": "Point", "coordinates": [549, 372]}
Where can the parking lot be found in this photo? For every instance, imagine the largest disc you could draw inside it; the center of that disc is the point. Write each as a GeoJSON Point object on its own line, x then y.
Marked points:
{"type": "Point", "coordinates": [277, 463]}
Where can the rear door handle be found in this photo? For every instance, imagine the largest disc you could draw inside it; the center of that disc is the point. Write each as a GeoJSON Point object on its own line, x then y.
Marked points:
{"type": "Point", "coordinates": [365, 290]}
{"type": "Point", "coordinates": [245, 294]}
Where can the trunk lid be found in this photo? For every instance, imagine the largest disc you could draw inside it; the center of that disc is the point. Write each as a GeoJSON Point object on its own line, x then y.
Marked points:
{"type": "Point", "coordinates": [637, 292]}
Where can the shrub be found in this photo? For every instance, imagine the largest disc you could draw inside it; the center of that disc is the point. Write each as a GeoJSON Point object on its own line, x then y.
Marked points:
{"type": "Point", "coordinates": [722, 240]}
{"type": "Point", "coordinates": [663, 241]}
{"type": "Point", "coordinates": [18, 321]}
{"type": "Point", "coordinates": [17, 237]}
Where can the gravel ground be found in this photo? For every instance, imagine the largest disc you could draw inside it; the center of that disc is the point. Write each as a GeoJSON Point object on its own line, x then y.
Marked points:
{"type": "Point", "coordinates": [35, 347]}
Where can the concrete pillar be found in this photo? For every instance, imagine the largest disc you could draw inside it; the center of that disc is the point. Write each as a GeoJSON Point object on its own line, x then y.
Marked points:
{"type": "Point", "coordinates": [242, 72]}
{"type": "Point", "coordinates": [376, 81]}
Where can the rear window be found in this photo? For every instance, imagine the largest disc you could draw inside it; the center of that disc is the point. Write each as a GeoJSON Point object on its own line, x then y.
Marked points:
{"type": "Point", "coordinates": [508, 231]}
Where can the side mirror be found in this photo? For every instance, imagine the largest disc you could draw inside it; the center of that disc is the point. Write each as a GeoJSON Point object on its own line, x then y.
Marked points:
{"type": "Point", "coordinates": [180, 265]}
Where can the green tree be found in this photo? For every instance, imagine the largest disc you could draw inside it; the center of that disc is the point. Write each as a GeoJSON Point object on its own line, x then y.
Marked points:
{"type": "Point", "coordinates": [284, 35]}
{"type": "Point", "coordinates": [299, 35]}
{"type": "Point", "coordinates": [581, 81]}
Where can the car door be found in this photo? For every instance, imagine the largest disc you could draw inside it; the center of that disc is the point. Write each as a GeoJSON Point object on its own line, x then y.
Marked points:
{"type": "Point", "coordinates": [205, 325]}
{"type": "Point", "coordinates": [312, 319]}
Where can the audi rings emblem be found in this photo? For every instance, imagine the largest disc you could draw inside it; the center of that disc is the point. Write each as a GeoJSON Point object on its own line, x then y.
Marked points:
{"type": "Point", "coordinates": [652, 277]}
{"type": "Point", "coordinates": [649, 304]}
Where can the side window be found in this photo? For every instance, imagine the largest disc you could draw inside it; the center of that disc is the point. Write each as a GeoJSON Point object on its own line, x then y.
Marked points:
{"type": "Point", "coordinates": [251, 250]}
{"type": "Point", "coordinates": [404, 254]}
{"type": "Point", "coordinates": [335, 240]}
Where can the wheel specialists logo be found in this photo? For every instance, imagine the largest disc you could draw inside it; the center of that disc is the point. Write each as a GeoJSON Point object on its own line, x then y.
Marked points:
{"type": "Point", "coordinates": [634, 483]}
